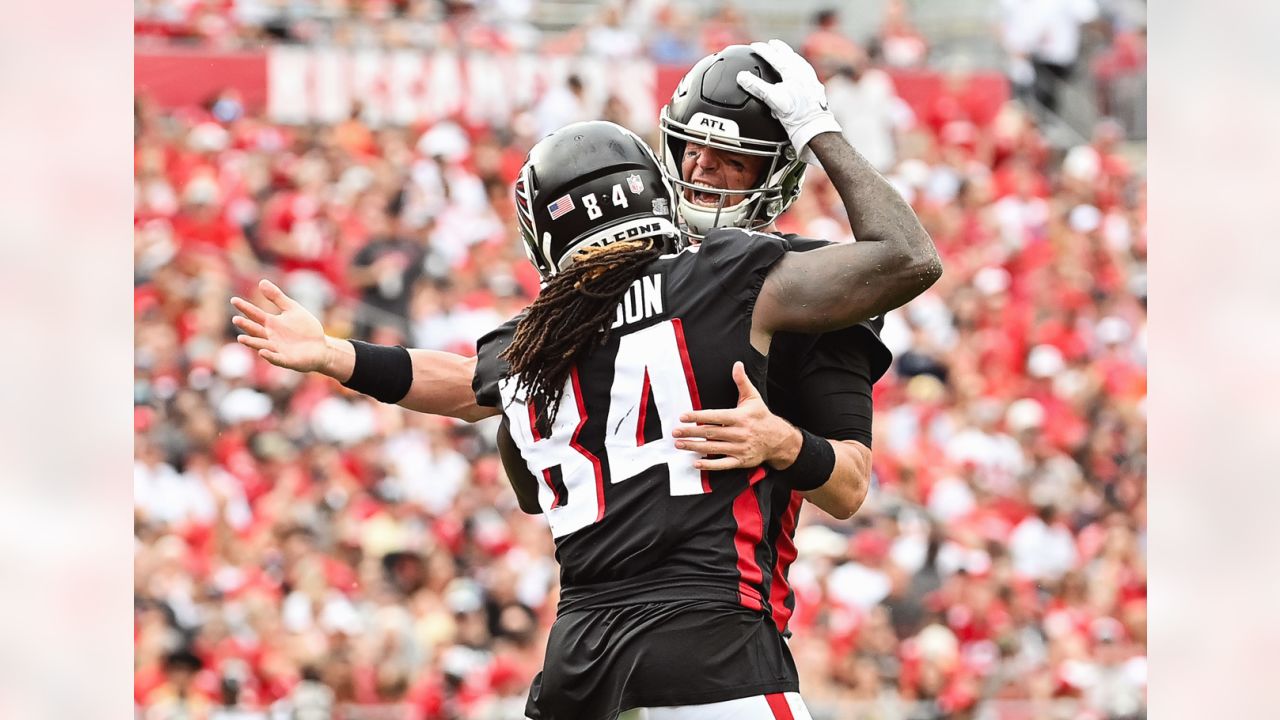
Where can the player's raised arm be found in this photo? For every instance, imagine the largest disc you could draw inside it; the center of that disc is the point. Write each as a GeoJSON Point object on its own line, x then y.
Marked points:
{"type": "Point", "coordinates": [287, 335]}
{"type": "Point", "coordinates": [894, 259]}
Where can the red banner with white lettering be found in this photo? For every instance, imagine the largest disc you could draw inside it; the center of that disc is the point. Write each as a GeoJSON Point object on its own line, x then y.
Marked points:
{"type": "Point", "coordinates": [296, 85]}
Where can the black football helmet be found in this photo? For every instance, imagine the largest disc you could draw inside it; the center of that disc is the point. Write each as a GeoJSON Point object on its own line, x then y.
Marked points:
{"type": "Point", "coordinates": [587, 184]}
{"type": "Point", "coordinates": [710, 108]}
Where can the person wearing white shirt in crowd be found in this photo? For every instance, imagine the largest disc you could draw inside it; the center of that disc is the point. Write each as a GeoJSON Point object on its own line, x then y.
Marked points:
{"type": "Point", "coordinates": [429, 471]}
{"type": "Point", "coordinates": [610, 37]}
{"type": "Point", "coordinates": [1043, 41]}
{"type": "Point", "coordinates": [869, 110]}
{"type": "Point", "coordinates": [561, 105]}
{"type": "Point", "coordinates": [1042, 547]}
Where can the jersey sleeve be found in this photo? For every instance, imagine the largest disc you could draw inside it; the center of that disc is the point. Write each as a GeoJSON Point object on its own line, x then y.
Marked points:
{"type": "Point", "coordinates": [490, 369]}
{"type": "Point", "coordinates": [833, 387]}
{"type": "Point", "coordinates": [804, 244]}
{"type": "Point", "coordinates": [739, 260]}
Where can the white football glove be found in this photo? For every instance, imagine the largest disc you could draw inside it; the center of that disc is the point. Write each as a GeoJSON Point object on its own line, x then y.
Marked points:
{"type": "Point", "coordinates": [798, 101]}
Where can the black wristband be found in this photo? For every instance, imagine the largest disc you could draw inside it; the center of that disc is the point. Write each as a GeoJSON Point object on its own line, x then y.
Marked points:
{"type": "Point", "coordinates": [383, 372]}
{"type": "Point", "coordinates": [813, 464]}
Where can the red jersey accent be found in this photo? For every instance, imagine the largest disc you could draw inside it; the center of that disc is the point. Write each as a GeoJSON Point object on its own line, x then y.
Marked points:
{"type": "Point", "coordinates": [575, 445]}
{"type": "Point", "coordinates": [546, 474]}
{"type": "Point", "coordinates": [746, 511]}
{"type": "Point", "coordinates": [780, 588]}
{"type": "Point", "coordinates": [533, 421]}
{"type": "Point", "coordinates": [644, 406]}
{"type": "Point", "coordinates": [690, 381]}
{"type": "Point", "coordinates": [778, 705]}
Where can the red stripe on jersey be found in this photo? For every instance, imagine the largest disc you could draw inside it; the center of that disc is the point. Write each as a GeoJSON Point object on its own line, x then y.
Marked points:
{"type": "Point", "coordinates": [555, 494]}
{"type": "Point", "coordinates": [595, 461]}
{"type": "Point", "coordinates": [691, 382]}
{"type": "Point", "coordinates": [533, 421]}
{"type": "Point", "coordinates": [546, 474]}
{"type": "Point", "coordinates": [746, 512]}
{"type": "Point", "coordinates": [644, 407]}
{"type": "Point", "coordinates": [780, 588]}
{"type": "Point", "coordinates": [778, 705]}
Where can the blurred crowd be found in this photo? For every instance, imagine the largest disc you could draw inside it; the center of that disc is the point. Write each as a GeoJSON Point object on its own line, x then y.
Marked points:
{"type": "Point", "coordinates": [1045, 34]}
{"type": "Point", "coordinates": [304, 552]}
{"type": "Point", "coordinates": [665, 31]}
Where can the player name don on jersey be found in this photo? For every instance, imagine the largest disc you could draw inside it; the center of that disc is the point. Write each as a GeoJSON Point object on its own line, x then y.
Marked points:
{"type": "Point", "coordinates": [642, 300]}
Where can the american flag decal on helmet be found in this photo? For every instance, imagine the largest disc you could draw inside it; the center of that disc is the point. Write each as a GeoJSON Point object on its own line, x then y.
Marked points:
{"type": "Point", "coordinates": [560, 206]}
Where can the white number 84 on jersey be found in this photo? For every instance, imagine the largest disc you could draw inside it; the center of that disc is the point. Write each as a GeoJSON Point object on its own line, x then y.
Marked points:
{"type": "Point", "coordinates": [651, 363]}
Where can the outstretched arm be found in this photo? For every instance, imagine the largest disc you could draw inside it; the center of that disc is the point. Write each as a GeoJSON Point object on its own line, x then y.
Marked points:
{"type": "Point", "coordinates": [442, 386]}
{"type": "Point", "coordinates": [287, 335]}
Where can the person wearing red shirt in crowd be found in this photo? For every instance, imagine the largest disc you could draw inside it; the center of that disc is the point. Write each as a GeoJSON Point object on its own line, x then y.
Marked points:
{"type": "Point", "coordinates": [463, 28]}
{"type": "Point", "coordinates": [201, 226]}
{"type": "Point", "coordinates": [1126, 58]}
{"type": "Point", "coordinates": [826, 46]}
{"type": "Point", "coordinates": [296, 231]}
{"type": "Point", "coordinates": [725, 26]}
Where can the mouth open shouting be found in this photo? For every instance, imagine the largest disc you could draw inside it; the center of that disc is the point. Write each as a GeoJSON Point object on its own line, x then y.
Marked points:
{"type": "Point", "coordinates": [710, 199]}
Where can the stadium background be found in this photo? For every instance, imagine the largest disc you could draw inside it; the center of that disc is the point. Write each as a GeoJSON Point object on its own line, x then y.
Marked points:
{"type": "Point", "coordinates": [298, 547]}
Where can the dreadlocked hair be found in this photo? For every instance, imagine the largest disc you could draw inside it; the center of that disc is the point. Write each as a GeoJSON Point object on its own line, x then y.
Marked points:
{"type": "Point", "coordinates": [572, 315]}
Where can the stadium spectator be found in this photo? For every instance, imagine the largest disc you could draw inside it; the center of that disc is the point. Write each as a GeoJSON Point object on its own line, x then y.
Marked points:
{"type": "Point", "coordinates": [725, 25]}
{"type": "Point", "coordinates": [385, 270]}
{"type": "Point", "coordinates": [1042, 38]}
{"type": "Point", "coordinates": [1120, 75]}
{"type": "Point", "coordinates": [608, 37]}
{"type": "Point", "coordinates": [562, 105]}
{"type": "Point", "coordinates": [899, 44]}
{"type": "Point", "coordinates": [826, 47]}
{"type": "Point", "coordinates": [673, 40]}
{"type": "Point", "coordinates": [868, 109]}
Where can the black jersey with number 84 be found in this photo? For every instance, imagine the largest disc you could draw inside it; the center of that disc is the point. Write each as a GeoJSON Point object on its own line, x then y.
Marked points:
{"type": "Point", "coordinates": [633, 519]}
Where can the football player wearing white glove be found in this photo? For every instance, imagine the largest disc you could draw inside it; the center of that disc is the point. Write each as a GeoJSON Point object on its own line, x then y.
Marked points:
{"type": "Point", "coordinates": [799, 101]}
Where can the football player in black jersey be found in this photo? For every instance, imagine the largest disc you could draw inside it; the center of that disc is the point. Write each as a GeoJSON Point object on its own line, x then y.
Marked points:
{"type": "Point", "coordinates": [735, 166]}
{"type": "Point", "coordinates": [664, 591]}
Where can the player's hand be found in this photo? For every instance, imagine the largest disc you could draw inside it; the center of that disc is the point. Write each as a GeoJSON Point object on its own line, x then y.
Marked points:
{"type": "Point", "coordinates": [283, 332]}
{"type": "Point", "coordinates": [747, 435]}
{"type": "Point", "coordinates": [798, 101]}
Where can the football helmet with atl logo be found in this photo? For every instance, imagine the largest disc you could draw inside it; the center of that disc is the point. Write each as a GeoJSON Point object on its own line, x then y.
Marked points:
{"type": "Point", "coordinates": [588, 184]}
{"type": "Point", "coordinates": [710, 109]}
